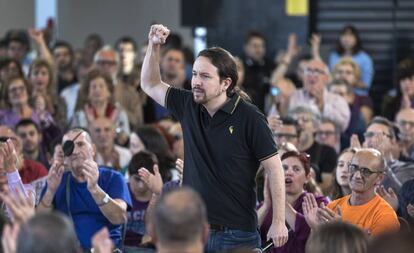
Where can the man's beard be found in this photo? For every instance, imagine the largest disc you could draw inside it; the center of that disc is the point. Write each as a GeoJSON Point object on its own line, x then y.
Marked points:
{"type": "Point", "coordinates": [199, 96]}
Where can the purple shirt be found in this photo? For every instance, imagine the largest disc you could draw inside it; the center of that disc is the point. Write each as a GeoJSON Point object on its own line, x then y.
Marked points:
{"type": "Point", "coordinates": [10, 118]}
{"type": "Point", "coordinates": [15, 184]}
{"type": "Point", "coordinates": [136, 224]}
{"type": "Point", "coordinates": [298, 236]}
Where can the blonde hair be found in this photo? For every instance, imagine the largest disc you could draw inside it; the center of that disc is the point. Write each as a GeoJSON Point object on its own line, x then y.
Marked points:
{"type": "Point", "coordinates": [352, 63]}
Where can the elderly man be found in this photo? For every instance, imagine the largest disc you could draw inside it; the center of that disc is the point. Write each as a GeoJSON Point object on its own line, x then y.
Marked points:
{"type": "Point", "coordinates": [380, 134]}
{"type": "Point", "coordinates": [315, 96]}
{"type": "Point", "coordinates": [107, 61]}
{"type": "Point", "coordinates": [108, 153]}
{"type": "Point", "coordinates": [363, 207]}
{"type": "Point", "coordinates": [94, 197]}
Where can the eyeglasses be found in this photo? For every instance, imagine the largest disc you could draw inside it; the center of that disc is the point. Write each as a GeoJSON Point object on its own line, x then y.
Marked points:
{"type": "Point", "coordinates": [106, 62]}
{"type": "Point", "coordinates": [286, 136]}
{"type": "Point", "coordinates": [406, 123]}
{"type": "Point", "coordinates": [368, 135]}
{"type": "Point", "coordinates": [326, 133]}
{"type": "Point", "coordinates": [310, 71]}
{"type": "Point", "coordinates": [17, 89]}
{"type": "Point", "coordinates": [364, 171]}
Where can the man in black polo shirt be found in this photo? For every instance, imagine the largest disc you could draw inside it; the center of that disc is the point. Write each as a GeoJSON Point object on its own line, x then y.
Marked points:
{"type": "Point", "coordinates": [226, 139]}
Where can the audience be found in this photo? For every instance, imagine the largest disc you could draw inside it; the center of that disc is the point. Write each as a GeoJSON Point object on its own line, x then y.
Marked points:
{"type": "Point", "coordinates": [56, 86]}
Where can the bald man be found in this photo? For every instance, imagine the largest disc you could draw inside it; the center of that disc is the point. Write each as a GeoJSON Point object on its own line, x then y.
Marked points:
{"type": "Point", "coordinates": [363, 207]}
{"type": "Point", "coordinates": [103, 135]}
{"type": "Point", "coordinates": [315, 95]}
{"type": "Point", "coordinates": [179, 223]}
{"type": "Point", "coordinates": [405, 123]}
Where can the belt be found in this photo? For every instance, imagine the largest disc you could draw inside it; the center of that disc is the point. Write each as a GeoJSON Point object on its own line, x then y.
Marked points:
{"type": "Point", "coordinates": [218, 227]}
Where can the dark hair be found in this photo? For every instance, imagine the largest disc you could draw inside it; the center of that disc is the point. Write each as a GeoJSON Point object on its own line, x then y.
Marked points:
{"type": "Point", "coordinates": [27, 122]}
{"type": "Point", "coordinates": [7, 86]}
{"type": "Point", "coordinates": [385, 122]}
{"type": "Point", "coordinates": [180, 216]}
{"type": "Point", "coordinates": [289, 121]}
{"type": "Point", "coordinates": [42, 63]}
{"type": "Point", "coordinates": [336, 190]}
{"type": "Point", "coordinates": [173, 40]}
{"type": "Point", "coordinates": [96, 37]}
{"type": "Point", "coordinates": [225, 64]}
{"type": "Point", "coordinates": [5, 62]}
{"type": "Point", "coordinates": [67, 45]}
{"type": "Point", "coordinates": [126, 39]}
{"type": "Point", "coordinates": [349, 29]}
{"type": "Point", "coordinates": [83, 94]}
{"type": "Point", "coordinates": [254, 34]}
{"type": "Point", "coordinates": [339, 237]}
{"type": "Point", "coordinates": [405, 69]}
{"type": "Point", "coordinates": [36, 236]}
{"type": "Point", "coordinates": [302, 157]}
{"type": "Point", "coordinates": [155, 142]}
{"type": "Point", "coordinates": [141, 159]}
{"type": "Point", "coordinates": [18, 35]}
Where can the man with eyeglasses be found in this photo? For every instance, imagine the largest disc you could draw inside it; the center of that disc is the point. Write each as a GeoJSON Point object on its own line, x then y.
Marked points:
{"type": "Point", "coordinates": [315, 96]}
{"type": "Point", "coordinates": [288, 131]}
{"type": "Point", "coordinates": [380, 135]}
{"type": "Point", "coordinates": [328, 134]}
{"type": "Point", "coordinates": [405, 123]}
{"type": "Point", "coordinates": [363, 207]}
{"type": "Point", "coordinates": [107, 61]}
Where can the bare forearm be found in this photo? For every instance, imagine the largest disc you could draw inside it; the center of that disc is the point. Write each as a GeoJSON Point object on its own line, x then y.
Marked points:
{"type": "Point", "coordinates": [114, 211]}
{"type": "Point", "coordinates": [277, 189]}
{"type": "Point", "coordinates": [150, 74]}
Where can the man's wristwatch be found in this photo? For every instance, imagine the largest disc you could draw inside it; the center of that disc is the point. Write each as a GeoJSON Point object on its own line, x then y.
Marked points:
{"type": "Point", "coordinates": [105, 200]}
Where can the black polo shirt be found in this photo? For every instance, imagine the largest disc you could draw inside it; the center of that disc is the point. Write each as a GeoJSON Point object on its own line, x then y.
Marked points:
{"type": "Point", "coordinates": [222, 154]}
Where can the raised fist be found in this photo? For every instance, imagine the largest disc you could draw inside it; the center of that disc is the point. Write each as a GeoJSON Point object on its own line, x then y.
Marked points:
{"type": "Point", "coordinates": [158, 34]}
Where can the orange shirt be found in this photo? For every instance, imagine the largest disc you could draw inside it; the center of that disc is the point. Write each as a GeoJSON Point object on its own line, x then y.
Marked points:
{"type": "Point", "coordinates": [375, 217]}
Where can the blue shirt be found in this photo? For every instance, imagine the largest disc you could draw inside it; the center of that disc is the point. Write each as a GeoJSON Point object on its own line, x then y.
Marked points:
{"type": "Point", "coordinates": [86, 215]}
{"type": "Point", "coordinates": [365, 64]}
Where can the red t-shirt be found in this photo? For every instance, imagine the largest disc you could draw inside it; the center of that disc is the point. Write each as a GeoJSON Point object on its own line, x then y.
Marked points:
{"type": "Point", "coordinates": [31, 171]}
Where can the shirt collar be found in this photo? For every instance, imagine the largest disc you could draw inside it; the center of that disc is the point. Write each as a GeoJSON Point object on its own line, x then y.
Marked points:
{"type": "Point", "coordinates": [231, 105]}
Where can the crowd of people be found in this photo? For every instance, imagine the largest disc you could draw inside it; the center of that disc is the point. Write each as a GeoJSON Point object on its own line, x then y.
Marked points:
{"type": "Point", "coordinates": [130, 148]}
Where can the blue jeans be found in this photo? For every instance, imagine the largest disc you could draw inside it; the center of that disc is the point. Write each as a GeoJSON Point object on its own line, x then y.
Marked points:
{"type": "Point", "coordinates": [221, 240]}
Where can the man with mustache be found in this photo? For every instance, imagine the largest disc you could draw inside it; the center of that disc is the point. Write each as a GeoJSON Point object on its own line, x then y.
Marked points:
{"type": "Point", "coordinates": [93, 197]}
{"type": "Point", "coordinates": [226, 140]}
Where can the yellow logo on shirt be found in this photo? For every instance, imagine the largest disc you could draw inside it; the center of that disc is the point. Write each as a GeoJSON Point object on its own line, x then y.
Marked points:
{"type": "Point", "coordinates": [231, 129]}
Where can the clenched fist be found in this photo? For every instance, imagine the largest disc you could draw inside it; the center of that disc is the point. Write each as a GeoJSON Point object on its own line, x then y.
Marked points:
{"type": "Point", "coordinates": [158, 34]}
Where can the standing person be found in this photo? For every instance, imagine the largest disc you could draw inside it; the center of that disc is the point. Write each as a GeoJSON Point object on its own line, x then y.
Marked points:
{"type": "Point", "coordinates": [226, 139]}
{"type": "Point", "coordinates": [349, 44]}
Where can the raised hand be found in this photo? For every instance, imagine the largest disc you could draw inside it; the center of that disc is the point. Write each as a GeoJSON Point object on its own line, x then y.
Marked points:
{"type": "Point", "coordinates": [91, 172]}
{"type": "Point", "coordinates": [36, 35]}
{"type": "Point", "coordinates": [388, 195]}
{"type": "Point", "coordinates": [310, 210]}
{"type": "Point", "coordinates": [9, 156]}
{"type": "Point", "coordinates": [153, 181]}
{"type": "Point", "coordinates": [158, 34]}
{"type": "Point", "coordinates": [355, 141]}
{"type": "Point", "coordinates": [20, 206]}
{"type": "Point", "coordinates": [325, 214]}
{"type": "Point", "coordinates": [55, 176]}
{"type": "Point", "coordinates": [315, 43]}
